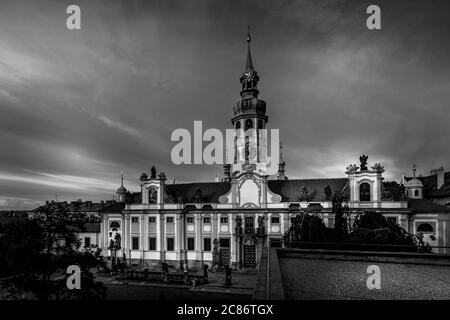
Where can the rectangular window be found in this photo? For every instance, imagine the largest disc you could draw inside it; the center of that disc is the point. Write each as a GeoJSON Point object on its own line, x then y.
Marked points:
{"type": "Point", "coordinates": [190, 244]}
{"type": "Point", "coordinates": [134, 219]}
{"type": "Point", "coordinates": [224, 242]}
{"type": "Point", "coordinates": [206, 244]}
{"type": "Point", "coordinates": [275, 220]}
{"type": "Point", "coordinates": [169, 219]}
{"type": "Point", "coordinates": [249, 223]}
{"type": "Point", "coordinates": [207, 220]}
{"type": "Point", "coordinates": [190, 219]}
{"type": "Point", "coordinates": [135, 243]}
{"type": "Point", "coordinates": [151, 219]}
{"type": "Point", "coordinates": [152, 243]}
{"type": "Point", "coordinates": [223, 219]}
{"type": "Point", "coordinates": [87, 242]}
{"type": "Point", "coordinates": [170, 244]}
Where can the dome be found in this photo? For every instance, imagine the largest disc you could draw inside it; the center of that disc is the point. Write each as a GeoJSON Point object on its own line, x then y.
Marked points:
{"type": "Point", "coordinates": [414, 182]}
{"type": "Point", "coordinates": [122, 189]}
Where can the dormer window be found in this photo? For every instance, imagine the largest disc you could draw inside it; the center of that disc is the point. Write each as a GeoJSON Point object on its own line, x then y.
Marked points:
{"type": "Point", "coordinates": [152, 196]}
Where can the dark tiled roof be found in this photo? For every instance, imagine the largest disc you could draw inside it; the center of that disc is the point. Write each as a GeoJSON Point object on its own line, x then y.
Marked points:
{"type": "Point", "coordinates": [135, 197]}
{"type": "Point", "coordinates": [391, 190]}
{"type": "Point", "coordinates": [86, 206]}
{"type": "Point", "coordinates": [443, 191]}
{"type": "Point", "coordinates": [426, 206]}
{"type": "Point", "coordinates": [208, 192]}
{"type": "Point", "coordinates": [290, 190]}
{"type": "Point", "coordinates": [113, 207]}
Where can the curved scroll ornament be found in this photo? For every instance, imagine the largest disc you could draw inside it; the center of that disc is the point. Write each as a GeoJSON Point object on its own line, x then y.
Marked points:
{"type": "Point", "coordinates": [223, 199]}
{"type": "Point", "coordinates": [276, 198]}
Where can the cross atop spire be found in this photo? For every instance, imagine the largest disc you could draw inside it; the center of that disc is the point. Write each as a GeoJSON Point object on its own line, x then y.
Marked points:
{"type": "Point", "coordinates": [414, 170]}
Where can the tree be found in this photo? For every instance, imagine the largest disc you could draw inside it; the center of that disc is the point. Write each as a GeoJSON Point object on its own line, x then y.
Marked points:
{"type": "Point", "coordinates": [305, 228]}
{"type": "Point", "coordinates": [340, 210]}
{"type": "Point", "coordinates": [38, 251]}
{"type": "Point", "coordinates": [373, 228]}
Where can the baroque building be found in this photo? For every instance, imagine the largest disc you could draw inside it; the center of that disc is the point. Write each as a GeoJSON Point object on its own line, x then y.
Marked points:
{"type": "Point", "coordinates": [247, 210]}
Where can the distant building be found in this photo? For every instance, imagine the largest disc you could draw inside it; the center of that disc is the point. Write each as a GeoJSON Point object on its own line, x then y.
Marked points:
{"type": "Point", "coordinates": [436, 186]}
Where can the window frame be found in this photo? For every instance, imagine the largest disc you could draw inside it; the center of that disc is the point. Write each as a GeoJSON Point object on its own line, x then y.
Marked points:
{"type": "Point", "coordinates": [207, 240]}
{"type": "Point", "coordinates": [133, 247]}
{"type": "Point", "coordinates": [172, 243]}
{"type": "Point", "coordinates": [150, 242]}
{"type": "Point", "coordinates": [171, 218]}
{"type": "Point", "coordinates": [207, 220]}
{"type": "Point", "coordinates": [190, 244]}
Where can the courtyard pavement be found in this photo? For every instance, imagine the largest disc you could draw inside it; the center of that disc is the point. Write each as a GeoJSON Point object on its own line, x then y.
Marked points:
{"type": "Point", "coordinates": [243, 284]}
{"type": "Point", "coordinates": [306, 278]}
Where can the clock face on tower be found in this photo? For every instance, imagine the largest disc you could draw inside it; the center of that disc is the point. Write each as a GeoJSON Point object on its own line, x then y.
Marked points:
{"type": "Point", "coordinates": [249, 76]}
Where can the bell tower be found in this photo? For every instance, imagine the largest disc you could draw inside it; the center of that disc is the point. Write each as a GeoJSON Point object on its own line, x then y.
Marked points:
{"type": "Point", "coordinates": [249, 113]}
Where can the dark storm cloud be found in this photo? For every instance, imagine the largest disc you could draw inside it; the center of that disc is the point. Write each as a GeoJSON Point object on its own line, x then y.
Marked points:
{"type": "Point", "coordinates": [78, 107]}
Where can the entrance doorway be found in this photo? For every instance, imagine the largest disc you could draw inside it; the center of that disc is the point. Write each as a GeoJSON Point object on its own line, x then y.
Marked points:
{"type": "Point", "coordinates": [224, 252]}
{"type": "Point", "coordinates": [249, 256]}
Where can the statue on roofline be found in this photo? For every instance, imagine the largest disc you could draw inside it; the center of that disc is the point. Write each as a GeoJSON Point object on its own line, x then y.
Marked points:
{"type": "Point", "coordinates": [363, 160]}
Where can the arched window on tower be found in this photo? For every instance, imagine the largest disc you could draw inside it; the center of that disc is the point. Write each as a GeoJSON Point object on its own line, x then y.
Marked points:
{"type": "Point", "coordinates": [364, 192]}
{"type": "Point", "coordinates": [248, 124]}
{"type": "Point", "coordinates": [238, 125]}
{"type": "Point", "coordinates": [260, 124]}
{"type": "Point", "coordinates": [416, 193]}
{"type": "Point", "coordinates": [152, 196]}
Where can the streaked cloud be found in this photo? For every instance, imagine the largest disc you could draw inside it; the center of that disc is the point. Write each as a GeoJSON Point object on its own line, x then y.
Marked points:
{"type": "Point", "coordinates": [78, 107]}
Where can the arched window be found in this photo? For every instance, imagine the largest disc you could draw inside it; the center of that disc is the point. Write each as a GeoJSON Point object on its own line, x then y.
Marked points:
{"type": "Point", "coordinates": [248, 124]}
{"type": "Point", "coordinates": [238, 125]}
{"type": "Point", "coordinates": [260, 124]}
{"type": "Point", "coordinates": [364, 192]}
{"type": "Point", "coordinates": [114, 226]}
{"type": "Point", "coordinates": [416, 193]}
{"type": "Point", "coordinates": [152, 196]}
{"type": "Point", "coordinates": [425, 227]}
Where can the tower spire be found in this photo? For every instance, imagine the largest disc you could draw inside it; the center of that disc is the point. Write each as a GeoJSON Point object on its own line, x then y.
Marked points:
{"type": "Point", "coordinates": [414, 171]}
{"type": "Point", "coordinates": [249, 62]}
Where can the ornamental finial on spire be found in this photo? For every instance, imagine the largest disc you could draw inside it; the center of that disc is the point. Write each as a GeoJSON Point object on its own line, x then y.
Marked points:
{"type": "Point", "coordinates": [249, 37]}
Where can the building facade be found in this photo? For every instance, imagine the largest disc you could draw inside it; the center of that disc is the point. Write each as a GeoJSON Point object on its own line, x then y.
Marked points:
{"type": "Point", "coordinates": [232, 219]}
{"type": "Point", "coordinates": [245, 211]}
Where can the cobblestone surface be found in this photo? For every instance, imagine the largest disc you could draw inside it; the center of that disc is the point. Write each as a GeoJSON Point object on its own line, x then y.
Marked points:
{"type": "Point", "coordinates": [335, 279]}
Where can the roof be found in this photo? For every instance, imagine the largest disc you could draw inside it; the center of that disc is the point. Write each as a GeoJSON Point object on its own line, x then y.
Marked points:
{"type": "Point", "coordinates": [85, 206]}
{"type": "Point", "coordinates": [113, 207]}
{"type": "Point", "coordinates": [291, 190]}
{"type": "Point", "coordinates": [206, 192]}
{"type": "Point", "coordinates": [426, 206]}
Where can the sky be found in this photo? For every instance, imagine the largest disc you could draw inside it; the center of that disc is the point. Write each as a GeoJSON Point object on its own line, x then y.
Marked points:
{"type": "Point", "coordinates": [78, 107]}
